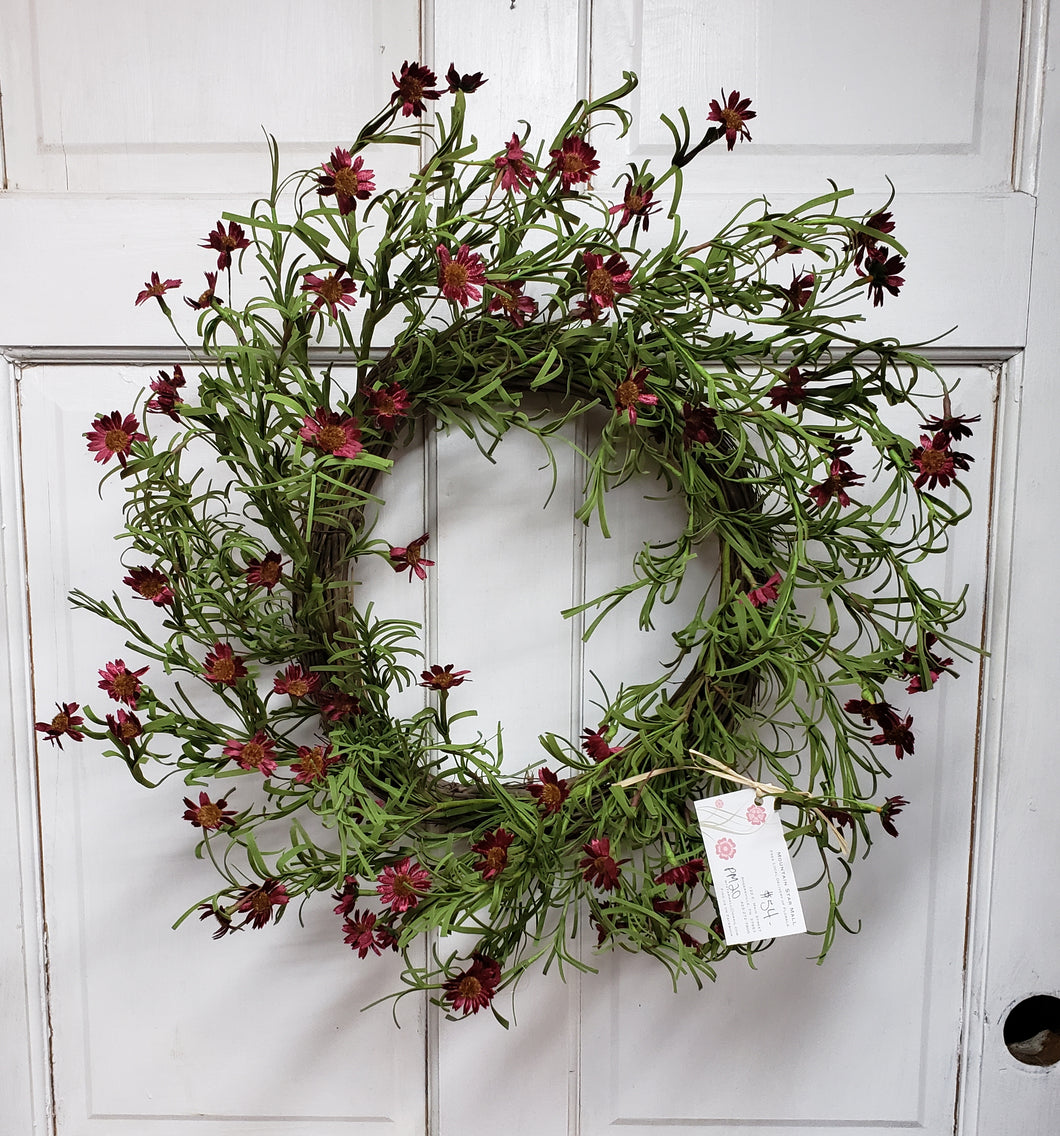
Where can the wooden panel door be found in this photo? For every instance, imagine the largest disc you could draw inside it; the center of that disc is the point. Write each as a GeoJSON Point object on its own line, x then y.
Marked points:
{"type": "Point", "coordinates": [117, 1024]}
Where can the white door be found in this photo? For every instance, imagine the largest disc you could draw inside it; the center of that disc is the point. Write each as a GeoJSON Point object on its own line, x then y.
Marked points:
{"type": "Point", "coordinates": [127, 129]}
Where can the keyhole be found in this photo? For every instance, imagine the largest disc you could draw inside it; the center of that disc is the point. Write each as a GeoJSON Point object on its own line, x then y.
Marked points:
{"type": "Point", "coordinates": [1032, 1030]}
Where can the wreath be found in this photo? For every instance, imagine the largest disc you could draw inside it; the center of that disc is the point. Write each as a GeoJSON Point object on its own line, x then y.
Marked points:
{"type": "Point", "coordinates": [727, 369]}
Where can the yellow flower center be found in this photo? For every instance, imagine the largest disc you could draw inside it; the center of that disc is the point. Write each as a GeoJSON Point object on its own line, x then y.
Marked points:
{"type": "Point", "coordinates": [253, 752]}
{"type": "Point", "coordinates": [269, 572]}
{"type": "Point", "coordinates": [455, 276]}
{"type": "Point", "coordinates": [627, 394]}
{"type": "Point", "coordinates": [124, 686]}
{"type": "Point", "coordinates": [402, 886]}
{"type": "Point", "coordinates": [331, 438]}
{"type": "Point", "coordinates": [260, 904]}
{"type": "Point", "coordinates": [731, 119]}
{"type": "Point", "coordinates": [298, 688]}
{"type": "Point", "coordinates": [601, 284]}
{"type": "Point", "coordinates": [347, 181]}
{"type": "Point", "coordinates": [572, 163]}
{"type": "Point", "coordinates": [117, 441]}
{"type": "Point", "coordinates": [61, 722]}
{"type": "Point", "coordinates": [496, 859]}
{"type": "Point", "coordinates": [209, 816]}
{"type": "Point", "coordinates": [933, 461]}
{"type": "Point", "coordinates": [551, 795]}
{"type": "Point", "coordinates": [470, 987]}
{"type": "Point", "coordinates": [151, 587]}
{"type": "Point", "coordinates": [331, 288]}
{"type": "Point", "coordinates": [224, 669]}
{"type": "Point", "coordinates": [128, 730]}
{"type": "Point", "coordinates": [313, 763]}
{"type": "Point", "coordinates": [634, 202]}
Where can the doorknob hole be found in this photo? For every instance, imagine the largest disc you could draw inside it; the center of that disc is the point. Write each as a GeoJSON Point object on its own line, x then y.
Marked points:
{"type": "Point", "coordinates": [1032, 1030]}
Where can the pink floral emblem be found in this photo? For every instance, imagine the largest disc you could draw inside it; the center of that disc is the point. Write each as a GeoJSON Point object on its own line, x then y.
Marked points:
{"type": "Point", "coordinates": [725, 848]}
{"type": "Point", "coordinates": [719, 803]}
{"type": "Point", "coordinates": [756, 814]}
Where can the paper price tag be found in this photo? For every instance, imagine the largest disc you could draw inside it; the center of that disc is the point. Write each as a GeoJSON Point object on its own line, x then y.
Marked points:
{"type": "Point", "coordinates": [751, 868]}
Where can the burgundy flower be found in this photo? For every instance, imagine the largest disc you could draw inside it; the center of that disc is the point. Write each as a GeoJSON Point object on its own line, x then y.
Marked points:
{"type": "Point", "coordinates": [399, 885]}
{"type": "Point", "coordinates": [330, 434]}
{"type": "Point", "coordinates": [683, 875]}
{"type": "Point", "coordinates": [897, 732]}
{"type": "Point", "coordinates": [669, 909]}
{"type": "Point", "coordinates": [550, 791]}
{"type": "Point", "coordinates": [205, 299]}
{"type": "Point", "coordinates": [793, 390]}
{"type": "Point", "coordinates": [630, 393]}
{"type": "Point", "coordinates": [733, 115]}
{"type": "Point", "coordinates": [158, 289]}
{"type": "Point", "coordinates": [890, 808]}
{"type": "Point", "coordinates": [442, 678]}
{"type": "Point", "coordinates": [509, 299]}
{"type": "Point", "coordinates": [513, 170]}
{"type": "Point", "coordinates": [765, 593]}
{"type": "Point", "coordinates": [223, 666]}
{"type": "Point", "coordinates": [636, 202]}
{"type": "Point", "coordinates": [259, 753]}
{"type": "Point", "coordinates": [264, 573]}
{"type": "Point", "coordinates": [603, 282]}
{"type": "Point", "coordinates": [347, 179]}
{"type": "Point", "coordinates": [882, 271]}
{"type": "Point", "coordinates": [600, 868]}
{"type": "Point", "coordinates": [296, 682]}
{"type": "Point", "coordinates": [595, 744]}
{"type": "Point", "coordinates": [122, 684]}
{"type": "Point", "coordinates": [361, 934]}
{"type": "Point", "coordinates": [388, 405]}
{"type": "Point", "coordinates": [474, 988]}
{"type": "Point", "coordinates": [335, 704]}
{"type": "Point", "coordinates": [64, 724]}
{"type": "Point", "coordinates": [870, 711]}
{"type": "Point", "coordinates": [226, 243]}
{"type": "Point", "coordinates": [224, 920]}
{"type": "Point", "coordinates": [313, 763]}
{"type": "Point", "coordinates": [954, 427]}
{"type": "Point", "coordinates": [151, 584]}
{"type": "Point", "coordinates": [935, 462]}
{"type": "Point", "coordinates": [208, 814]}
{"type": "Point", "coordinates": [865, 243]}
{"type": "Point", "coordinates": [466, 83]}
{"type": "Point", "coordinates": [910, 665]}
{"type": "Point", "coordinates": [699, 428]}
{"type": "Point", "coordinates": [113, 436]}
{"type": "Point", "coordinates": [124, 728]}
{"type": "Point", "coordinates": [493, 848]}
{"type": "Point", "coordinates": [332, 290]}
{"type": "Point", "coordinates": [575, 161]}
{"type": "Point", "coordinates": [838, 816]}
{"type": "Point", "coordinates": [415, 85]}
{"type": "Point", "coordinates": [588, 310]}
{"type": "Point", "coordinates": [839, 479]}
{"type": "Point", "coordinates": [798, 291]}
{"type": "Point", "coordinates": [410, 557]}
{"type": "Point", "coordinates": [457, 276]}
{"type": "Point", "coordinates": [167, 393]}
{"type": "Point", "coordinates": [258, 902]}
{"type": "Point", "coordinates": [347, 897]}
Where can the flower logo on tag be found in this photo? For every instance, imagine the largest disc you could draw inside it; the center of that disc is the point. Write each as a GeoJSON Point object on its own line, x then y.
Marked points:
{"type": "Point", "coordinates": [719, 803]}
{"type": "Point", "coordinates": [756, 814]}
{"type": "Point", "coordinates": [725, 848]}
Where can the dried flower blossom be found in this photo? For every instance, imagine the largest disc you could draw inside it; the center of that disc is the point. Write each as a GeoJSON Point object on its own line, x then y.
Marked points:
{"type": "Point", "coordinates": [296, 682]}
{"type": "Point", "coordinates": [122, 684]}
{"type": "Point", "coordinates": [399, 885]}
{"type": "Point", "coordinates": [575, 161]}
{"type": "Point", "coordinates": [442, 678]}
{"type": "Point", "coordinates": [150, 584]}
{"type": "Point", "coordinates": [113, 436]}
{"type": "Point", "coordinates": [264, 573]}
{"type": "Point", "coordinates": [882, 272]}
{"type": "Point", "coordinates": [347, 179]}
{"type": "Point", "coordinates": [474, 988]}
{"type": "Point", "coordinates": [313, 763]}
{"type": "Point", "coordinates": [333, 290]}
{"type": "Point", "coordinates": [259, 753]}
{"type": "Point", "coordinates": [954, 427]}
{"type": "Point", "coordinates": [604, 282]}
{"type": "Point", "coordinates": [415, 85]}
{"type": "Point", "coordinates": [840, 478]}
{"type": "Point", "coordinates": [258, 902]}
{"type": "Point", "coordinates": [410, 557]}
{"type": "Point", "coordinates": [335, 704]}
{"type": "Point", "coordinates": [389, 405]}
{"type": "Point", "coordinates": [205, 299]}
{"type": "Point", "coordinates": [793, 390]}
{"type": "Point", "coordinates": [167, 393]}
{"type": "Point", "coordinates": [699, 427]}
{"type": "Point", "coordinates": [890, 808]}
{"type": "Point", "coordinates": [765, 593]}
{"type": "Point", "coordinates": [513, 170]}
{"type": "Point", "coordinates": [224, 920]}
{"type": "Point", "coordinates": [630, 393]}
{"type": "Point", "coordinates": [226, 243]}
{"type": "Point", "coordinates": [124, 728]}
{"type": "Point", "coordinates": [459, 275]}
{"type": "Point", "coordinates": [466, 83]}
{"type": "Point", "coordinates": [863, 243]}
{"type": "Point", "coordinates": [359, 930]}
{"type": "Point", "coordinates": [599, 866]}
{"type": "Point", "coordinates": [935, 462]}
{"type": "Point", "coordinates": [493, 848]}
{"type": "Point", "coordinates": [207, 814]}
{"type": "Point", "coordinates": [509, 299]}
{"type": "Point", "coordinates": [798, 292]}
{"type": "Point", "coordinates": [733, 115]}
{"type": "Point", "coordinates": [637, 202]}
{"type": "Point", "coordinates": [223, 666]}
{"type": "Point", "coordinates": [63, 725]}
{"type": "Point", "coordinates": [156, 288]}
{"type": "Point", "coordinates": [549, 791]}
{"type": "Point", "coordinates": [330, 434]}
{"type": "Point", "coordinates": [894, 730]}
{"type": "Point", "coordinates": [682, 875]}
{"type": "Point", "coordinates": [910, 665]}
{"type": "Point", "coordinates": [347, 897]}
{"type": "Point", "coordinates": [596, 744]}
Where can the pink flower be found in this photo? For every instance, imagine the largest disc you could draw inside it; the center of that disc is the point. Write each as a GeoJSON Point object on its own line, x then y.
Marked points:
{"type": "Point", "coordinates": [313, 763]}
{"type": "Point", "coordinates": [756, 814]}
{"type": "Point", "coordinates": [550, 791]}
{"type": "Point", "coordinates": [113, 436]}
{"type": "Point", "coordinates": [636, 202]}
{"type": "Point", "coordinates": [296, 682]}
{"type": "Point", "coordinates": [415, 85]}
{"type": "Point", "coordinates": [457, 276]}
{"type": "Point", "coordinates": [124, 728]}
{"type": "Point", "coordinates": [206, 298]}
{"type": "Point", "coordinates": [791, 391]}
{"type": "Point", "coordinates": [226, 243]}
{"type": "Point", "coordinates": [604, 282]}
{"type": "Point", "coordinates": [150, 584]}
{"type": "Point", "coordinates": [388, 405]}
{"type": "Point", "coordinates": [166, 391]}
{"type": "Point", "coordinates": [732, 115]}
{"type": "Point", "coordinates": [682, 875]}
{"type": "Point", "coordinates": [347, 897]}
{"type": "Point", "coordinates": [339, 437]}
{"type": "Point", "coordinates": [509, 298]}
{"type": "Point", "coordinates": [599, 866]}
{"type": "Point", "coordinates": [474, 988]}
{"type": "Point", "coordinates": [64, 724]}
{"type": "Point", "coordinates": [575, 161]}
{"type": "Point", "coordinates": [223, 666]}
{"type": "Point", "coordinates": [332, 290]}
{"type": "Point", "coordinates": [264, 573]}
{"type": "Point", "coordinates": [259, 753]}
{"type": "Point", "coordinates": [335, 704]}
{"type": "Point", "coordinates": [630, 393]}
{"type": "Point", "coordinates": [493, 848]}
{"type": "Point", "coordinates": [595, 744]}
{"type": "Point", "coordinates": [208, 814]}
{"type": "Point", "coordinates": [363, 935]}
{"type": "Point", "coordinates": [410, 557]}
{"type": "Point", "coordinates": [765, 593]}
{"type": "Point", "coordinates": [399, 885]}
{"type": "Point", "coordinates": [725, 848]}
{"type": "Point", "coordinates": [466, 83]}
{"type": "Point", "coordinates": [840, 478]}
{"type": "Point", "coordinates": [158, 289]}
{"type": "Point", "coordinates": [514, 171]}
{"type": "Point", "coordinates": [346, 179]}
{"type": "Point", "coordinates": [935, 462]}
{"type": "Point", "coordinates": [122, 684]}
{"type": "Point", "coordinates": [699, 427]}
{"type": "Point", "coordinates": [798, 292]}
{"type": "Point", "coordinates": [442, 678]}
{"type": "Point", "coordinates": [258, 902]}
{"type": "Point", "coordinates": [882, 272]}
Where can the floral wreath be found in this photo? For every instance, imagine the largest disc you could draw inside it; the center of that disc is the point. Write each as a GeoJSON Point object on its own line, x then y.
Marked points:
{"type": "Point", "coordinates": [732, 377]}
